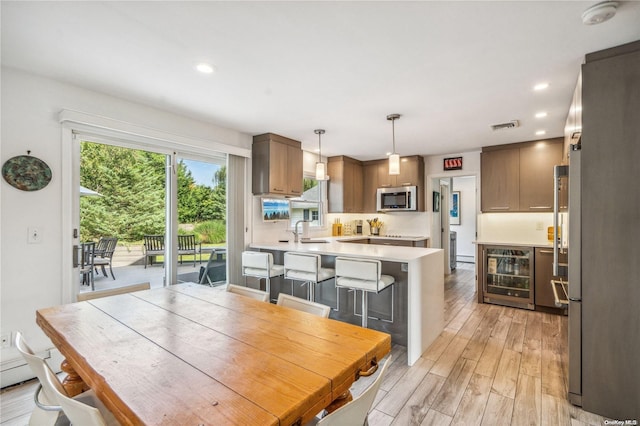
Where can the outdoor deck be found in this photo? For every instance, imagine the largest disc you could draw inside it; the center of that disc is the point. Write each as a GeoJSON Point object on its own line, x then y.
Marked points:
{"type": "Point", "coordinates": [128, 268]}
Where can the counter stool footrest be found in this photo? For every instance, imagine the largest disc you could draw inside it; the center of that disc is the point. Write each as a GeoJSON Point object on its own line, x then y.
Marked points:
{"type": "Point", "coordinates": [355, 312]}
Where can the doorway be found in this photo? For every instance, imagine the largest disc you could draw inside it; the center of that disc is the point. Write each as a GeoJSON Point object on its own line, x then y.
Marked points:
{"type": "Point", "coordinates": [457, 193]}
{"type": "Point", "coordinates": [463, 217]}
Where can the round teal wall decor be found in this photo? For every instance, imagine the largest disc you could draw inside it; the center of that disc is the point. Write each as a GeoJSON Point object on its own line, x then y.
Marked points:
{"type": "Point", "coordinates": [26, 173]}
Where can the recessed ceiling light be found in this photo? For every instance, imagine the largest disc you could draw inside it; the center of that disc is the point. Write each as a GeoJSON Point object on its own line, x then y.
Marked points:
{"type": "Point", "coordinates": [540, 86]}
{"type": "Point", "coordinates": [541, 132]}
{"type": "Point", "coordinates": [541, 114]}
{"type": "Point", "coordinates": [205, 68]}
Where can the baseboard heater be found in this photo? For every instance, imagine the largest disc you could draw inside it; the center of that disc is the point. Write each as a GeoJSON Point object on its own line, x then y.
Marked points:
{"type": "Point", "coordinates": [16, 370]}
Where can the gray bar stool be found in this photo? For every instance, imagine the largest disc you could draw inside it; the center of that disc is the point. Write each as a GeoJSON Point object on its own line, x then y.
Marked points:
{"type": "Point", "coordinates": [364, 275]}
{"type": "Point", "coordinates": [260, 265]}
{"type": "Point", "coordinates": [306, 267]}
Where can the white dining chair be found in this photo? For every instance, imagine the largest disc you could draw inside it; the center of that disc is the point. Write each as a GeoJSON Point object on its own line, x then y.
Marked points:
{"type": "Point", "coordinates": [363, 275]}
{"type": "Point", "coordinates": [85, 410]}
{"type": "Point", "coordinates": [248, 292]}
{"type": "Point", "coordinates": [306, 268]}
{"type": "Point", "coordinates": [355, 412]}
{"type": "Point", "coordinates": [48, 410]}
{"type": "Point", "coordinates": [303, 305]}
{"type": "Point", "coordinates": [260, 265]}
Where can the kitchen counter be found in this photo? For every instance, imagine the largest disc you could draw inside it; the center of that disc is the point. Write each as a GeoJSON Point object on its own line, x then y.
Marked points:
{"type": "Point", "coordinates": [515, 243]}
{"type": "Point", "coordinates": [336, 247]}
{"type": "Point", "coordinates": [419, 286]}
{"type": "Point", "coordinates": [382, 237]}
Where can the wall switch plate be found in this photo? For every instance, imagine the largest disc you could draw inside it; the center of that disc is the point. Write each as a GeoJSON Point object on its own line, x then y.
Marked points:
{"type": "Point", "coordinates": [5, 340]}
{"type": "Point", "coordinates": [34, 236]}
{"type": "Point", "coordinates": [539, 226]}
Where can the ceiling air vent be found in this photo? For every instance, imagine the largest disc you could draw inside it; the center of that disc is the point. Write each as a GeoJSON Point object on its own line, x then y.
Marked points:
{"type": "Point", "coordinates": [502, 126]}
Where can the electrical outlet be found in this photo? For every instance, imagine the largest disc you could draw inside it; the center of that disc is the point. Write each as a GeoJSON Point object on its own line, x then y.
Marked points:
{"type": "Point", "coordinates": [539, 226]}
{"type": "Point", "coordinates": [6, 340]}
{"type": "Point", "coordinates": [34, 235]}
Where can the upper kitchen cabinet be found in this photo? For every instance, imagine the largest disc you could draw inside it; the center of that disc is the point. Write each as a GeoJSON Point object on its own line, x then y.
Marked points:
{"type": "Point", "coordinates": [345, 185]}
{"type": "Point", "coordinates": [500, 180]}
{"type": "Point", "coordinates": [536, 174]}
{"type": "Point", "coordinates": [519, 177]}
{"type": "Point", "coordinates": [411, 172]}
{"type": "Point", "coordinates": [370, 190]}
{"type": "Point", "coordinates": [276, 165]}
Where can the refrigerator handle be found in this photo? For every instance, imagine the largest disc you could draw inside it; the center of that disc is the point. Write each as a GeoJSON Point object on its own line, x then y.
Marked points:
{"type": "Point", "coordinates": [558, 172]}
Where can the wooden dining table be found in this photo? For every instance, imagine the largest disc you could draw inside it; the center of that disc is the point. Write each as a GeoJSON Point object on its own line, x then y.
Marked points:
{"type": "Point", "coordinates": [189, 354]}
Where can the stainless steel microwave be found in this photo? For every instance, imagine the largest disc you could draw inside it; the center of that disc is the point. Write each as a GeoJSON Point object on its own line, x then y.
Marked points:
{"type": "Point", "coordinates": [402, 198]}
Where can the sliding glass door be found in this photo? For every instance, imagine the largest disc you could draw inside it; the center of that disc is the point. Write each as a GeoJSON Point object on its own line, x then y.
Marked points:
{"type": "Point", "coordinates": [155, 216]}
{"type": "Point", "coordinates": [202, 219]}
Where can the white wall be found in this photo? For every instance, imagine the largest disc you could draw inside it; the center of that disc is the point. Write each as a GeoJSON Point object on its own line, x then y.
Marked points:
{"type": "Point", "coordinates": [30, 274]}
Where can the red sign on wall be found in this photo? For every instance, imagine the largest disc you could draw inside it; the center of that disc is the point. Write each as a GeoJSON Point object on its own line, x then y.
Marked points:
{"type": "Point", "coordinates": [453, 163]}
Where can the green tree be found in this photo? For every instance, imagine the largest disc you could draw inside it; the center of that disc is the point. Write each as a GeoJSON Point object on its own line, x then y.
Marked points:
{"type": "Point", "coordinates": [219, 202]}
{"type": "Point", "coordinates": [308, 183]}
{"type": "Point", "coordinates": [131, 183]}
{"type": "Point", "coordinates": [187, 202]}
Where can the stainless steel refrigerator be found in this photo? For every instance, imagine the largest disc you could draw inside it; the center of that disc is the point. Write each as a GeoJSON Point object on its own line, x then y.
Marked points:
{"type": "Point", "coordinates": [604, 238]}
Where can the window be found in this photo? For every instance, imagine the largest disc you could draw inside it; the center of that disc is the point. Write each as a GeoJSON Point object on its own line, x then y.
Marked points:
{"type": "Point", "coordinates": [309, 205]}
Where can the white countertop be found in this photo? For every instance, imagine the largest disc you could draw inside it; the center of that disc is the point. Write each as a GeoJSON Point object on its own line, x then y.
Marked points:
{"type": "Point", "coordinates": [515, 243]}
{"type": "Point", "coordinates": [336, 248]}
{"type": "Point", "coordinates": [383, 237]}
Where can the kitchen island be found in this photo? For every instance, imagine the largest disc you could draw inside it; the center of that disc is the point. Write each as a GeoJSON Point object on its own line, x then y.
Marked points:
{"type": "Point", "coordinates": [418, 291]}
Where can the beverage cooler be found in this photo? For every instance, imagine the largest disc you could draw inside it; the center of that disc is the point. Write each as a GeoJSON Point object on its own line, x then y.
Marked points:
{"type": "Point", "coordinates": [508, 276]}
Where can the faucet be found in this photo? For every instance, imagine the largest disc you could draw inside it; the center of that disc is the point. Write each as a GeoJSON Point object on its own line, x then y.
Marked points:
{"type": "Point", "coordinates": [296, 235]}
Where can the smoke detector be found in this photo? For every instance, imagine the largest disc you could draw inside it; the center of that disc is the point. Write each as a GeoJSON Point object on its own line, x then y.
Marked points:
{"type": "Point", "coordinates": [599, 13]}
{"type": "Point", "coordinates": [502, 126]}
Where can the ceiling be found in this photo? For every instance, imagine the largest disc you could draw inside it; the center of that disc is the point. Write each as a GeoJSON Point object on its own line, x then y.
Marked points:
{"type": "Point", "coordinates": [451, 69]}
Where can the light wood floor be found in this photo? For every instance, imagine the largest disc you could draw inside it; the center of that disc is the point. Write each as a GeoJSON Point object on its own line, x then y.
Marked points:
{"type": "Point", "coordinates": [492, 365]}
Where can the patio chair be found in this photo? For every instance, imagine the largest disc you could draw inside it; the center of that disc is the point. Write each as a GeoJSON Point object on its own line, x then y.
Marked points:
{"type": "Point", "coordinates": [153, 246]}
{"type": "Point", "coordinates": [87, 255]}
{"type": "Point", "coordinates": [215, 272]}
{"type": "Point", "coordinates": [104, 254]}
{"type": "Point", "coordinates": [187, 246]}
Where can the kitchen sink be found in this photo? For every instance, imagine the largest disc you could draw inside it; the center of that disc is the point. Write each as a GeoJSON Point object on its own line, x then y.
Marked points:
{"type": "Point", "coordinates": [313, 241]}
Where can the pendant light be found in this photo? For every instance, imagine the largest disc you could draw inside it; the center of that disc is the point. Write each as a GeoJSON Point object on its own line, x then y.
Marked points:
{"type": "Point", "coordinates": [394, 159]}
{"type": "Point", "coordinates": [321, 168]}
